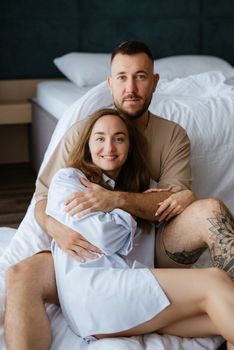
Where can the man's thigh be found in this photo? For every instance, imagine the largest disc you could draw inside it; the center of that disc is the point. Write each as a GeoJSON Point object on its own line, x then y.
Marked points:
{"type": "Point", "coordinates": [177, 245]}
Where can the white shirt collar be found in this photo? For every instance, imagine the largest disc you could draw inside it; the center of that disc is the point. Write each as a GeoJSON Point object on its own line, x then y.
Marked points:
{"type": "Point", "coordinates": [108, 180]}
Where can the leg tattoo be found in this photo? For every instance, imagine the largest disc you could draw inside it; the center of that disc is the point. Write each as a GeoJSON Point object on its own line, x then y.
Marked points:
{"type": "Point", "coordinates": [221, 240]}
{"type": "Point", "coordinates": [186, 257]}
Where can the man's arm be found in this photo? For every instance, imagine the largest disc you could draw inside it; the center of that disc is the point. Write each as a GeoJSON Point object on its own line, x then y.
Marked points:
{"type": "Point", "coordinates": [67, 239]}
{"type": "Point", "coordinates": [154, 205]}
{"type": "Point", "coordinates": [171, 168]}
{"type": "Point", "coordinates": [143, 205]}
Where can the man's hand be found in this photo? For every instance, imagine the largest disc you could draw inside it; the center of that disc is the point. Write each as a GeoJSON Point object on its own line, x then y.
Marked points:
{"type": "Point", "coordinates": [174, 205]}
{"type": "Point", "coordinates": [95, 198]}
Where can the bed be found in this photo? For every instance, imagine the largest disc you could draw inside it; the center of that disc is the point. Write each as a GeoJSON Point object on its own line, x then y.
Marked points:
{"type": "Point", "coordinates": [52, 99]}
{"type": "Point", "coordinates": [195, 91]}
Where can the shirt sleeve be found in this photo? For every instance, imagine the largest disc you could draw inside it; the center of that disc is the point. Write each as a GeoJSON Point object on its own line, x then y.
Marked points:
{"type": "Point", "coordinates": [57, 161]}
{"type": "Point", "coordinates": [112, 232]}
{"type": "Point", "coordinates": [175, 163]}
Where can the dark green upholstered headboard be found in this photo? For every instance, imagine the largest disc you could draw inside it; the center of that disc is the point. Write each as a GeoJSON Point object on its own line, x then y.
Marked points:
{"type": "Point", "coordinates": [33, 33]}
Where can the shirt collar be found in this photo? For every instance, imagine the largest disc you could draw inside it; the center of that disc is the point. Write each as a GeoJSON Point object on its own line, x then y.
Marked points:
{"type": "Point", "coordinates": [108, 180]}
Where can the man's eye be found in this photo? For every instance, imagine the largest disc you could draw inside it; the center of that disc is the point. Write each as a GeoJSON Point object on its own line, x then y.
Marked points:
{"type": "Point", "coordinates": [121, 77]}
{"type": "Point", "coordinates": [140, 77]}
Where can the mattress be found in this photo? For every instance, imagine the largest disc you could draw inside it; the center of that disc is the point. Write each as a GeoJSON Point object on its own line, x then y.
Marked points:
{"type": "Point", "coordinates": [55, 96]}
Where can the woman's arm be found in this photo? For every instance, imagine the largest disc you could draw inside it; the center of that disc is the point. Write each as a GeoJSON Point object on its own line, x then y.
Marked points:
{"type": "Point", "coordinates": [175, 205]}
{"type": "Point", "coordinates": [110, 231]}
{"type": "Point", "coordinates": [67, 239]}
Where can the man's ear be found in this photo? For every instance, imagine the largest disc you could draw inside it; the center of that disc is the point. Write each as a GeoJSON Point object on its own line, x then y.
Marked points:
{"type": "Point", "coordinates": [109, 81]}
{"type": "Point", "coordinates": [156, 80]}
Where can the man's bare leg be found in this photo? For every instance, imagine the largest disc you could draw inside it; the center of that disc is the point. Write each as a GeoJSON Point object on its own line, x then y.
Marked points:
{"type": "Point", "coordinates": [205, 223]}
{"type": "Point", "coordinates": [30, 284]}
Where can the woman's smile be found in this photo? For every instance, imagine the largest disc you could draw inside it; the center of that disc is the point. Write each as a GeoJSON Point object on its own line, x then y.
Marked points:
{"type": "Point", "coordinates": [109, 144]}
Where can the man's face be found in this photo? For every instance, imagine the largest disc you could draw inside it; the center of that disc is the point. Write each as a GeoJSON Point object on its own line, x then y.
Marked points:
{"type": "Point", "coordinates": [132, 83]}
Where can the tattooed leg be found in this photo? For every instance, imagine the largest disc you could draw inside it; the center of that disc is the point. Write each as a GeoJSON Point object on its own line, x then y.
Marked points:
{"type": "Point", "coordinates": [221, 240]}
{"type": "Point", "coordinates": [186, 257]}
{"type": "Point", "coordinates": [205, 223]}
{"type": "Point", "coordinates": [175, 248]}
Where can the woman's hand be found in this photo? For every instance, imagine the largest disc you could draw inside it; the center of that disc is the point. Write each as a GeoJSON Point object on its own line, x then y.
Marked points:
{"type": "Point", "coordinates": [67, 239]}
{"type": "Point", "coordinates": [174, 205]}
{"type": "Point", "coordinates": [71, 241]}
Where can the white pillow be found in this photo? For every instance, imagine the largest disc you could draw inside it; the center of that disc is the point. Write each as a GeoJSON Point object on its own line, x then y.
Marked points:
{"type": "Point", "coordinates": [84, 69]}
{"type": "Point", "coordinates": [182, 66]}
{"type": "Point", "coordinates": [87, 69]}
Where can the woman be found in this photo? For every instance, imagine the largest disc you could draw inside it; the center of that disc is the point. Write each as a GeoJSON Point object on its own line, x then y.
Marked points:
{"type": "Point", "coordinates": [116, 294]}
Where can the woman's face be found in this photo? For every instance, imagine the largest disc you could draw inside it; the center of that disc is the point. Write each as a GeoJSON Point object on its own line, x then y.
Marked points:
{"type": "Point", "coordinates": [109, 144]}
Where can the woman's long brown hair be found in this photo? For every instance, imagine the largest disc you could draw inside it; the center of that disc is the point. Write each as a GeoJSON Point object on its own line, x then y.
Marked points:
{"type": "Point", "coordinates": [134, 175]}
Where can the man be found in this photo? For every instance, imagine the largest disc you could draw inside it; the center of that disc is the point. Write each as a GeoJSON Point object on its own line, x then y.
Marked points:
{"type": "Point", "coordinates": [186, 229]}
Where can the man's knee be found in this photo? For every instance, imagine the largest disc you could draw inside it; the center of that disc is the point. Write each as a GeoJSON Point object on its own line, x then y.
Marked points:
{"type": "Point", "coordinates": [212, 209]}
{"type": "Point", "coordinates": [11, 277]}
{"type": "Point", "coordinates": [17, 275]}
{"type": "Point", "coordinates": [34, 276]}
{"type": "Point", "coordinates": [207, 205]}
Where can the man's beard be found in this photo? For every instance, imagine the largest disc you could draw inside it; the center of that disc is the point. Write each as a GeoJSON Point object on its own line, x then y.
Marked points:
{"type": "Point", "coordinates": [137, 114]}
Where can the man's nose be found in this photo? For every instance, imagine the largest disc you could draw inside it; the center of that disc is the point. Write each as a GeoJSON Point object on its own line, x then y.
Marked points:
{"type": "Point", "coordinates": [131, 85]}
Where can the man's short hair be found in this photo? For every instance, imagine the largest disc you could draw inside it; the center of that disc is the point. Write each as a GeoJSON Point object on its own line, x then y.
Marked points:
{"type": "Point", "coordinates": [132, 48]}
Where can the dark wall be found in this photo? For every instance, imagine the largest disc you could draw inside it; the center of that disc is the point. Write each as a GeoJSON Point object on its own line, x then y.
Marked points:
{"type": "Point", "coordinates": [33, 33]}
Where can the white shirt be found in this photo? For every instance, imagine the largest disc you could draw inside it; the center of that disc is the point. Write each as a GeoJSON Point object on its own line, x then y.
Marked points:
{"type": "Point", "coordinates": [108, 294]}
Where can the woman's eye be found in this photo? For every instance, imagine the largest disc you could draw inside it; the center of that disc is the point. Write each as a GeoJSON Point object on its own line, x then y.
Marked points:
{"type": "Point", "coordinates": [119, 139]}
{"type": "Point", "coordinates": [100, 139]}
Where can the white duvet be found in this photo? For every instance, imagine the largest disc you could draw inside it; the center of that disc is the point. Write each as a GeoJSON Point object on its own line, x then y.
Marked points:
{"type": "Point", "coordinates": [204, 105]}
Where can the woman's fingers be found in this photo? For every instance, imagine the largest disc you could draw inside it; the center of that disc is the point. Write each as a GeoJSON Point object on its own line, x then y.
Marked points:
{"type": "Point", "coordinates": [80, 254]}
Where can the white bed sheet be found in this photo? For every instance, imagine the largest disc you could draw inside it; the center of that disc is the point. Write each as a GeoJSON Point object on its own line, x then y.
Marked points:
{"type": "Point", "coordinates": [6, 234]}
{"type": "Point", "coordinates": [205, 109]}
{"type": "Point", "coordinates": [55, 96]}
{"type": "Point", "coordinates": [64, 338]}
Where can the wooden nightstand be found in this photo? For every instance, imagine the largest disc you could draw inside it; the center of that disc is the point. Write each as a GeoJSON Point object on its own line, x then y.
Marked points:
{"type": "Point", "coordinates": [15, 112]}
{"type": "Point", "coordinates": [15, 119]}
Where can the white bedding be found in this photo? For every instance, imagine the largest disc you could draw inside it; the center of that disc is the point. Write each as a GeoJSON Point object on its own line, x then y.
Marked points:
{"type": "Point", "coordinates": [55, 96]}
{"type": "Point", "coordinates": [206, 109]}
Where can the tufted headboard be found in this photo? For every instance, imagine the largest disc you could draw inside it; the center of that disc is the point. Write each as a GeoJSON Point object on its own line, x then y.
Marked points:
{"type": "Point", "coordinates": [33, 33]}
